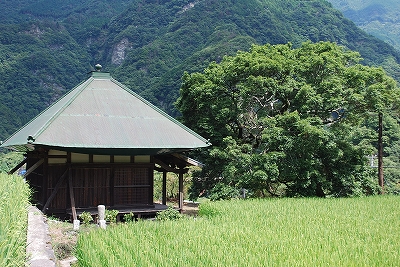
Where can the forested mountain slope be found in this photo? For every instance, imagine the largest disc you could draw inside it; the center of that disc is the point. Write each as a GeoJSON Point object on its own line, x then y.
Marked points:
{"type": "Point", "coordinates": [47, 47]}
{"type": "Point", "coordinates": [377, 17]}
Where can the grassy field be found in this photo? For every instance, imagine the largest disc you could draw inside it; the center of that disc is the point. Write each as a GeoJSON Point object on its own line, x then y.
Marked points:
{"type": "Point", "coordinates": [14, 200]}
{"type": "Point", "coordinates": [271, 232]}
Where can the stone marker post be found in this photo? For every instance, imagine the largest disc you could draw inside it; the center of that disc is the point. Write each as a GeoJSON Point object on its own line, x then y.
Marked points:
{"type": "Point", "coordinates": [101, 210]}
{"type": "Point", "coordinates": [76, 225]}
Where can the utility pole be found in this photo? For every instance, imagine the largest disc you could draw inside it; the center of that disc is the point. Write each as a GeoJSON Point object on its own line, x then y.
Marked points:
{"type": "Point", "coordinates": [380, 154]}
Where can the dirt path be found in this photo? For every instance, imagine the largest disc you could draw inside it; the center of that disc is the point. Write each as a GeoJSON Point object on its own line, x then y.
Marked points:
{"type": "Point", "coordinates": [39, 250]}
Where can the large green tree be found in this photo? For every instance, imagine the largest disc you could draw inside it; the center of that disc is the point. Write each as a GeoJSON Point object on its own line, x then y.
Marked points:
{"type": "Point", "coordinates": [286, 121]}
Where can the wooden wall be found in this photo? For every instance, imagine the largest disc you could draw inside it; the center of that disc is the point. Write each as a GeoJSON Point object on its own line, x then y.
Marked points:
{"type": "Point", "coordinates": [96, 179]}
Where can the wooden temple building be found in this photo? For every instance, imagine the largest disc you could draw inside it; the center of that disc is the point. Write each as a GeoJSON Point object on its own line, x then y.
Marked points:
{"type": "Point", "coordinates": [100, 144]}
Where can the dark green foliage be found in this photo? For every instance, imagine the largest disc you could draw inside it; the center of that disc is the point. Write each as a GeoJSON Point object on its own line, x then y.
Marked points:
{"type": "Point", "coordinates": [10, 119]}
{"type": "Point", "coordinates": [391, 143]}
{"type": "Point", "coordinates": [223, 191]}
{"type": "Point", "coordinates": [218, 28]}
{"type": "Point", "coordinates": [40, 62]}
{"type": "Point", "coordinates": [287, 121]}
{"type": "Point", "coordinates": [47, 47]}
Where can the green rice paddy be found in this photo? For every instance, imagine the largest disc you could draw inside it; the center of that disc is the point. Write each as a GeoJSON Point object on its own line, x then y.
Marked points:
{"type": "Point", "coordinates": [260, 232]}
{"type": "Point", "coordinates": [14, 201]}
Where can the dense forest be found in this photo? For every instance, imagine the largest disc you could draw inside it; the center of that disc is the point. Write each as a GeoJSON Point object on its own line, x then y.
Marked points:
{"type": "Point", "coordinates": [288, 121]}
{"type": "Point", "coordinates": [47, 47]}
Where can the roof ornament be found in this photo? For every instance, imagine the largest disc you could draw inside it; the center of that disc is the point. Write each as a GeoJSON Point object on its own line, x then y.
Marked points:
{"type": "Point", "coordinates": [30, 139]}
{"type": "Point", "coordinates": [98, 67]}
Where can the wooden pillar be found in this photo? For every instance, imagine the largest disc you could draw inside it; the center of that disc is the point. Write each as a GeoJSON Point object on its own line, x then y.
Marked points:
{"type": "Point", "coordinates": [45, 178]}
{"type": "Point", "coordinates": [151, 183]}
{"type": "Point", "coordinates": [164, 188]}
{"type": "Point", "coordinates": [380, 154]}
{"type": "Point", "coordinates": [181, 190]}
{"type": "Point", "coordinates": [111, 186]}
{"type": "Point", "coordinates": [71, 196]}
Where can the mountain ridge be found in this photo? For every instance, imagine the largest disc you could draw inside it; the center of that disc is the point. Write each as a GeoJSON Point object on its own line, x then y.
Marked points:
{"type": "Point", "coordinates": [378, 18]}
{"type": "Point", "coordinates": [147, 45]}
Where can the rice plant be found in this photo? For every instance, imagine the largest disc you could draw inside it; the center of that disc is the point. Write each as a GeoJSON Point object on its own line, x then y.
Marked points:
{"type": "Point", "coordinates": [14, 200]}
{"type": "Point", "coordinates": [267, 232]}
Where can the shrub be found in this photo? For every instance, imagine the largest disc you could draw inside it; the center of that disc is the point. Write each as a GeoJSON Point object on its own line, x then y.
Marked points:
{"type": "Point", "coordinates": [111, 216]}
{"type": "Point", "coordinates": [222, 191]}
{"type": "Point", "coordinates": [86, 217]}
{"type": "Point", "coordinates": [169, 214]}
{"type": "Point", "coordinates": [129, 217]}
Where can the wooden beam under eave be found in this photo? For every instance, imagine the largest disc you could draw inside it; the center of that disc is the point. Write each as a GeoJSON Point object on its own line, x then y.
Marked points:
{"type": "Point", "coordinates": [158, 169]}
{"type": "Point", "coordinates": [165, 166]}
{"type": "Point", "coordinates": [18, 166]}
{"type": "Point", "coordinates": [34, 167]}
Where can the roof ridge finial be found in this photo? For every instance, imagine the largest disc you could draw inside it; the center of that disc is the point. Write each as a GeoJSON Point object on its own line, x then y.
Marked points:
{"type": "Point", "coordinates": [98, 67]}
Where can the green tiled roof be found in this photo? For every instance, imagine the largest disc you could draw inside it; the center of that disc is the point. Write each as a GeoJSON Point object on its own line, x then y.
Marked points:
{"type": "Point", "coordinates": [102, 116]}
